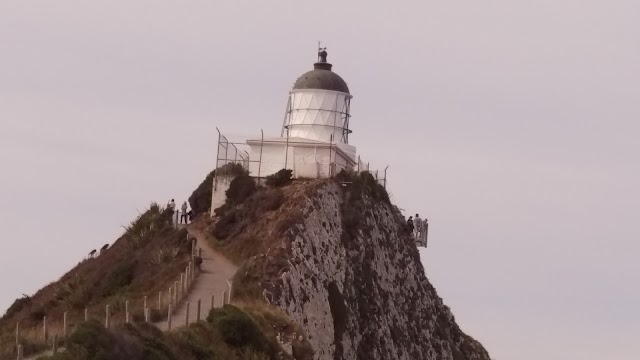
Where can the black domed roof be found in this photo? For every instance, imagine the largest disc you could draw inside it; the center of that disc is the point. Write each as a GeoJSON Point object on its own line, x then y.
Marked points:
{"type": "Point", "coordinates": [321, 77]}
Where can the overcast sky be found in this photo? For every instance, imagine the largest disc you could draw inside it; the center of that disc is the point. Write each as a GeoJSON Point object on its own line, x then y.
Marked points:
{"type": "Point", "coordinates": [513, 126]}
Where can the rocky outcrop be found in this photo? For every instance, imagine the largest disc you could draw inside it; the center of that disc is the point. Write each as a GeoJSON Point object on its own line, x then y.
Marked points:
{"type": "Point", "coordinates": [351, 277]}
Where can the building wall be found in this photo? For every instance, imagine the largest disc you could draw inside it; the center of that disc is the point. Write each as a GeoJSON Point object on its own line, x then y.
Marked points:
{"type": "Point", "coordinates": [318, 114]}
{"type": "Point", "coordinates": [305, 161]}
{"type": "Point", "coordinates": [220, 187]}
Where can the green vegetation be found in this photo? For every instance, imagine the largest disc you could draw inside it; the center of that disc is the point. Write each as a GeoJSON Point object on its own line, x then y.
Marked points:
{"type": "Point", "coordinates": [229, 333]}
{"type": "Point", "coordinates": [240, 189]}
{"type": "Point", "coordinates": [256, 204]}
{"type": "Point", "coordinates": [358, 186]}
{"type": "Point", "coordinates": [200, 199]}
{"type": "Point", "coordinates": [238, 329]}
{"type": "Point", "coordinates": [280, 179]}
{"type": "Point", "coordinates": [146, 259]}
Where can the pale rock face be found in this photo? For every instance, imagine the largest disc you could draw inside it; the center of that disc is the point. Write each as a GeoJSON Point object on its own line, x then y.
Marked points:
{"type": "Point", "coordinates": [363, 294]}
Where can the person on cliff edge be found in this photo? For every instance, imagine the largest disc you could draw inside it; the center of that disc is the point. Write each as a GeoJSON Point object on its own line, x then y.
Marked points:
{"type": "Point", "coordinates": [183, 213]}
{"type": "Point", "coordinates": [410, 225]}
{"type": "Point", "coordinates": [418, 226]}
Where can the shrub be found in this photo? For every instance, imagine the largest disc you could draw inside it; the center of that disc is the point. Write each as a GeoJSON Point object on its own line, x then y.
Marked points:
{"type": "Point", "coordinates": [363, 184]}
{"type": "Point", "coordinates": [37, 314]}
{"type": "Point", "coordinates": [241, 188]}
{"type": "Point", "coordinates": [236, 219]}
{"type": "Point", "coordinates": [18, 305]}
{"type": "Point", "coordinates": [237, 328]}
{"type": "Point", "coordinates": [200, 199]}
{"type": "Point", "coordinates": [280, 179]}
{"type": "Point", "coordinates": [117, 279]}
{"type": "Point", "coordinates": [232, 169]}
{"type": "Point", "coordinates": [73, 293]}
{"type": "Point", "coordinates": [245, 281]}
{"type": "Point", "coordinates": [93, 338]}
{"type": "Point", "coordinates": [164, 255]}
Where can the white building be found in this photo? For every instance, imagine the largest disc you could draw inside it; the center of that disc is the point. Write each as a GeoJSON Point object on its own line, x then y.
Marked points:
{"type": "Point", "coordinates": [314, 141]}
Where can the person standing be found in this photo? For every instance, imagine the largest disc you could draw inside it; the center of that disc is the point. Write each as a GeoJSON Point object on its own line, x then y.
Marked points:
{"type": "Point", "coordinates": [418, 226]}
{"type": "Point", "coordinates": [410, 225]}
{"type": "Point", "coordinates": [172, 207]}
{"type": "Point", "coordinates": [183, 213]}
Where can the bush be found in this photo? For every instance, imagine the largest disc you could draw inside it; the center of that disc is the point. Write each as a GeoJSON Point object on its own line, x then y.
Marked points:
{"type": "Point", "coordinates": [200, 199]}
{"type": "Point", "coordinates": [93, 338]}
{"type": "Point", "coordinates": [280, 179]}
{"type": "Point", "coordinates": [18, 305]}
{"type": "Point", "coordinates": [234, 220]}
{"type": "Point", "coordinates": [237, 328]}
{"type": "Point", "coordinates": [117, 279]}
{"type": "Point", "coordinates": [233, 169]}
{"type": "Point", "coordinates": [363, 184]}
{"type": "Point", "coordinates": [241, 188]}
{"type": "Point", "coordinates": [73, 293]}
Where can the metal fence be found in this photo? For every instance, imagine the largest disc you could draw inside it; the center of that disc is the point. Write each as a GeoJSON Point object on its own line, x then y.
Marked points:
{"type": "Point", "coordinates": [306, 165]}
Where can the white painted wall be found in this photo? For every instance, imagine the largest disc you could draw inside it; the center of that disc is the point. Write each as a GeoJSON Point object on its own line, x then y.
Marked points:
{"type": "Point", "coordinates": [306, 161]}
{"type": "Point", "coordinates": [220, 187]}
{"type": "Point", "coordinates": [318, 114]}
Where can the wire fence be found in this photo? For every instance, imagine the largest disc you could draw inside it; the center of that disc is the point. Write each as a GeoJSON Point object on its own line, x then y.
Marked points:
{"type": "Point", "coordinates": [53, 332]}
{"type": "Point", "coordinates": [261, 157]}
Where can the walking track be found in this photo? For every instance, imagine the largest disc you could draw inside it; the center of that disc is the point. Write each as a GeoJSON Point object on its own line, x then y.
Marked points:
{"type": "Point", "coordinates": [215, 273]}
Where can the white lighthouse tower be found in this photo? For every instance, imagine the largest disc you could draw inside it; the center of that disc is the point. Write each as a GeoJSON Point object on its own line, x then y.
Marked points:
{"type": "Point", "coordinates": [314, 139]}
{"type": "Point", "coordinates": [318, 106]}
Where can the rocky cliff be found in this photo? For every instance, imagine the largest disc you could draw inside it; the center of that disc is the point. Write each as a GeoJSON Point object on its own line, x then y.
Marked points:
{"type": "Point", "coordinates": [341, 264]}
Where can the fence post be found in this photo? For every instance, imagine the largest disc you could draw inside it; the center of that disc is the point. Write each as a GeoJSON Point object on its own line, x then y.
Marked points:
{"type": "Point", "coordinates": [193, 268]}
{"type": "Point", "coordinates": [18, 334]}
{"type": "Point", "coordinates": [107, 320]}
{"type": "Point", "coordinates": [64, 324]}
{"type": "Point", "coordinates": [86, 314]}
{"type": "Point", "coordinates": [175, 293]}
{"type": "Point", "coordinates": [147, 315]}
{"type": "Point", "coordinates": [20, 354]}
{"type": "Point", "coordinates": [169, 318]}
{"type": "Point", "coordinates": [144, 306]}
{"type": "Point", "coordinates": [126, 311]}
{"type": "Point", "coordinates": [44, 329]}
{"type": "Point", "coordinates": [198, 312]}
{"type": "Point", "coordinates": [181, 289]}
{"type": "Point", "coordinates": [186, 315]}
{"type": "Point", "coordinates": [230, 287]}
{"type": "Point", "coordinates": [55, 343]}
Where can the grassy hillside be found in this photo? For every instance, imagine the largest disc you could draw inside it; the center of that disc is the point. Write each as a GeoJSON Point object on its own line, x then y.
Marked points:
{"type": "Point", "coordinates": [253, 332]}
{"type": "Point", "coordinates": [144, 260]}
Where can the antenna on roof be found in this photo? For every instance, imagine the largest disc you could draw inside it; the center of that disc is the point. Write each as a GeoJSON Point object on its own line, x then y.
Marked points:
{"type": "Point", "coordinates": [322, 53]}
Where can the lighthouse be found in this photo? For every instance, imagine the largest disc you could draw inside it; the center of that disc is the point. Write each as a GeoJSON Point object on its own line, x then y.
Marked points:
{"type": "Point", "coordinates": [314, 137]}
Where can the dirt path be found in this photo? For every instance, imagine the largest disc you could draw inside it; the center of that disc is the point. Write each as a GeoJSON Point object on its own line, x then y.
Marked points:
{"type": "Point", "coordinates": [216, 270]}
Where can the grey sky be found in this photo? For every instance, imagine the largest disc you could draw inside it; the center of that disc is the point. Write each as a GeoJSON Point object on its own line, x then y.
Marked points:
{"type": "Point", "coordinates": [511, 125]}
